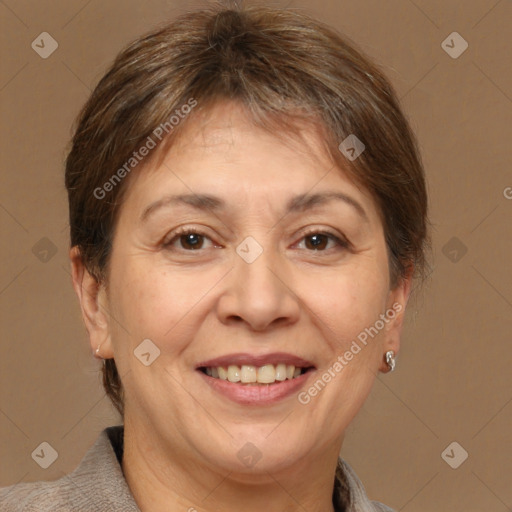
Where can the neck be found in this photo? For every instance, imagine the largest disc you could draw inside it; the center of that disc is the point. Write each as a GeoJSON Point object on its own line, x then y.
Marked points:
{"type": "Point", "coordinates": [160, 481]}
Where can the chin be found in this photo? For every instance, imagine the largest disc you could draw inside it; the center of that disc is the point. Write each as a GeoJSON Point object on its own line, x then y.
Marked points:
{"type": "Point", "coordinates": [254, 452]}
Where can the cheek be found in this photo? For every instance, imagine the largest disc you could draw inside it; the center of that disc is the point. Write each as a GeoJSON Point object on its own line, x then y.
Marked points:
{"type": "Point", "coordinates": [151, 302]}
{"type": "Point", "coordinates": [345, 303]}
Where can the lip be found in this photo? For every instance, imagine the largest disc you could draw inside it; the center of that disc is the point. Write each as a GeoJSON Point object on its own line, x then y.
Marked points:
{"type": "Point", "coordinates": [240, 359]}
{"type": "Point", "coordinates": [256, 394]}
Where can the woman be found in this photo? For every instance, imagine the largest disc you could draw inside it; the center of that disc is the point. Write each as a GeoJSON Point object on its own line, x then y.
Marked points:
{"type": "Point", "coordinates": [247, 212]}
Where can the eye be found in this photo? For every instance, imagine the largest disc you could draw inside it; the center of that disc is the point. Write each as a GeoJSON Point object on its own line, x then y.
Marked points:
{"type": "Point", "coordinates": [319, 241]}
{"type": "Point", "coordinates": [189, 240]}
{"type": "Point", "coordinates": [192, 240]}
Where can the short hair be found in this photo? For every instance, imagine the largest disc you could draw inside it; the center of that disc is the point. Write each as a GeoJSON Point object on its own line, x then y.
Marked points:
{"type": "Point", "coordinates": [278, 63]}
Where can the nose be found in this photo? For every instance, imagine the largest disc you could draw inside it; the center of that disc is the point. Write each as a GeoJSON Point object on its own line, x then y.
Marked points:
{"type": "Point", "coordinates": [259, 294]}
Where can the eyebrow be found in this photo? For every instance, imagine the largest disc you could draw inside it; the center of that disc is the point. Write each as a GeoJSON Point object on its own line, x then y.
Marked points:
{"type": "Point", "coordinates": [206, 202]}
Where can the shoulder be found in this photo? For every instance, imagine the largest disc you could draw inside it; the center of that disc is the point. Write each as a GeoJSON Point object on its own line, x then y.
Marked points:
{"type": "Point", "coordinates": [380, 507]}
{"type": "Point", "coordinates": [71, 492]}
{"type": "Point", "coordinates": [354, 489]}
{"type": "Point", "coordinates": [37, 496]}
{"type": "Point", "coordinates": [96, 484]}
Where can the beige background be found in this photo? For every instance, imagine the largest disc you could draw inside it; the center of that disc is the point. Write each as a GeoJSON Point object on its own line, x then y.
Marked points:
{"type": "Point", "coordinates": [453, 380]}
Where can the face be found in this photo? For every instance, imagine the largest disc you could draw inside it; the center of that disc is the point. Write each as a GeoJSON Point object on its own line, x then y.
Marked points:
{"type": "Point", "coordinates": [248, 257]}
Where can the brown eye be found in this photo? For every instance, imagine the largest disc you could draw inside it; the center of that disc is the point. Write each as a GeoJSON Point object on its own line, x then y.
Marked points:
{"type": "Point", "coordinates": [187, 240]}
{"type": "Point", "coordinates": [192, 241]}
{"type": "Point", "coordinates": [317, 241]}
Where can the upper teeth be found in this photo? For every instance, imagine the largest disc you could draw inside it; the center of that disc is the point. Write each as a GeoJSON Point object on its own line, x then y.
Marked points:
{"type": "Point", "coordinates": [247, 373]}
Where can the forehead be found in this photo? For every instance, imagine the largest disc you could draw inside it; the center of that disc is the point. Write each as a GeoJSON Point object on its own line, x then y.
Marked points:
{"type": "Point", "coordinates": [220, 150]}
{"type": "Point", "coordinates": [226, 128]}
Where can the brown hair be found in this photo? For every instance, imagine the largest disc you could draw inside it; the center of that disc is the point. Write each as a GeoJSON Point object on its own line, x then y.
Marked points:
{"type": "Point", "coordinates": [279, 64]}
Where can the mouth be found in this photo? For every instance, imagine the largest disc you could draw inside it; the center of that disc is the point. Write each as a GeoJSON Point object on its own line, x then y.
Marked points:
{"type": "Point", "coordinates": [257, 380]}
{"type": "Point", "coordinates": [255, 375]}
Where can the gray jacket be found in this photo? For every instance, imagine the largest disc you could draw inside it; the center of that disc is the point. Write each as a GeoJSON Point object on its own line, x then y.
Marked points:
{"type": "Point", "coordinates": [98, 485]}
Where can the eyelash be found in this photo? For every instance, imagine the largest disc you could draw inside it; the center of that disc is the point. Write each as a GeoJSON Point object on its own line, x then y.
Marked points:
{"type": "Point", "coordinates": [342, 243]}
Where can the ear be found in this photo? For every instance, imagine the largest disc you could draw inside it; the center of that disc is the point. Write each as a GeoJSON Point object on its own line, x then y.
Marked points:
{"type": "Point", "coordinates": [395, 312]}
{"type": "Point", "coordinates": [93, 301]}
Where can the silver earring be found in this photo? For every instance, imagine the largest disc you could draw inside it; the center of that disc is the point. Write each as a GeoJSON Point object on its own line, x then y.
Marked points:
{"type": "Point", "coordinates": [390, 360]}
{"type": "Point", "coordinates": [97, 351]}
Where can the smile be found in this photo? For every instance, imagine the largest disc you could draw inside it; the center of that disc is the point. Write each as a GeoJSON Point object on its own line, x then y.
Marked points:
{"type": "Point", "coordinates": [257, 380]}
{"type": "Point", "coordinates": [250, 374]}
